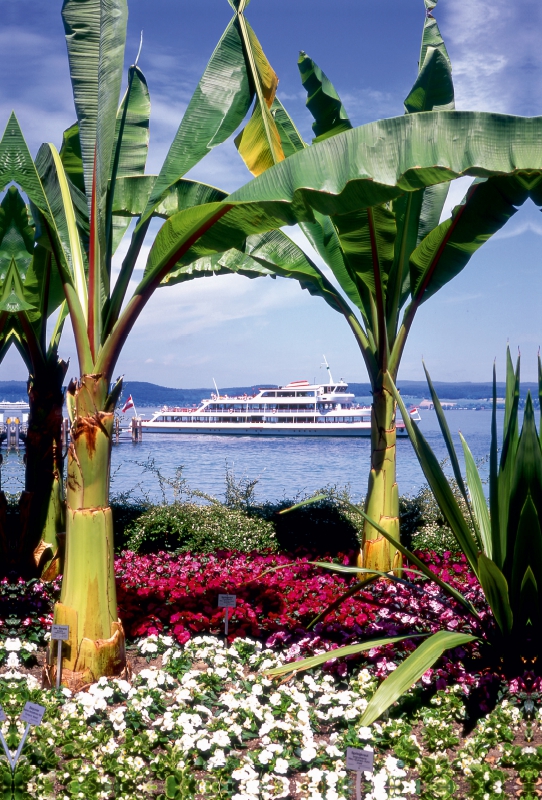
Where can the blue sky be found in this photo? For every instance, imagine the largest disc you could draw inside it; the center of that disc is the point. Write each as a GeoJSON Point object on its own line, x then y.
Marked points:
{"type": "Point", "coordinates": [243, 332]}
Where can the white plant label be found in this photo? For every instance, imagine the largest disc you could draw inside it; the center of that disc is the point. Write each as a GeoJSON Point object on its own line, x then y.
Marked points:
{"type": "Point", "coordinates": [359, 760]}
{"type": "Point", "coordinates": [61, 633]}
{"type": "Point", "coordinates": [227, 600]}
{"type": "Point", "coordinates": [32, 713]}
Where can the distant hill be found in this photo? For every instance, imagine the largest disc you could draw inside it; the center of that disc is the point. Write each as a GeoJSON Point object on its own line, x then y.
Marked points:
{"type": "Point", "coordinates": [150, 394]}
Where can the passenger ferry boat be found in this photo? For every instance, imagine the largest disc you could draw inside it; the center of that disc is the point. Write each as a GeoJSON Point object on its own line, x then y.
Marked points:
{"type": "Point", "coordinates": [298, 409]}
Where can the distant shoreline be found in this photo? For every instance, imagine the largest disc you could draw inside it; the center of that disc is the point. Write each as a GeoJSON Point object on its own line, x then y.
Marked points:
{"type": "Point", "coordinates": [147, 394]}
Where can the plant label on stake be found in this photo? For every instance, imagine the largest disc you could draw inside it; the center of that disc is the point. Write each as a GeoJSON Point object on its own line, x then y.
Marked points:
{"type": "Point", "coordinates": [32, 715]}
{"type": "Point", "coordinates": [359, 761]}
{"type": "Point", "coordinates": [227, 601]}
{"type": "Point", "coordinates": [60, 633]}
{"type": "Point", "coordinates": [2, 740]}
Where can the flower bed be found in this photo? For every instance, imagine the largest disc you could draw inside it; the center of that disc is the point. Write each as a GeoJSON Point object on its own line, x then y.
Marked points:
{"type": "Point", "coordinates": [202, 720]}
{"type": "Point", "coordinates": [177, 594]}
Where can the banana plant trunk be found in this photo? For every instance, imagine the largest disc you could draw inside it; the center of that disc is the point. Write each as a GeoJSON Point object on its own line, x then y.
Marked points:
{"type": "Point", "coordinates": [41, 508]}
{"type": "Point", "coordinates": [88, 602]}
{"type": "Point", "coordinates": [382, 502]}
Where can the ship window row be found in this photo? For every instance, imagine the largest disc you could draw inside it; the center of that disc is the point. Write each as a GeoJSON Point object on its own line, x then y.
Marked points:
{"type": "Point", "coordinates": [194, 418]}
{"type": "Point", "coordinates": [263, 407]}
{"type": "Point", "coordinates": [288, 394]}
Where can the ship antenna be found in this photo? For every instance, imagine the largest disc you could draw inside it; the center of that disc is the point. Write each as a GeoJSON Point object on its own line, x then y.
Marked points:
{"type": "Point", "coordinates": [216, 387]}
{"type": "Point", "coordinates": [326, 365]}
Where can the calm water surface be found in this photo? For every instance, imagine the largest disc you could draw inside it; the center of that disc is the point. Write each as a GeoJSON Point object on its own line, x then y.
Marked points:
{"type": "Point", "coordinates": [286, 467]}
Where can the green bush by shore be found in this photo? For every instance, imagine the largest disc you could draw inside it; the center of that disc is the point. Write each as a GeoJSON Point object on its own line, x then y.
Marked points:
{"type": "Point", "coordinates": [326, 526]}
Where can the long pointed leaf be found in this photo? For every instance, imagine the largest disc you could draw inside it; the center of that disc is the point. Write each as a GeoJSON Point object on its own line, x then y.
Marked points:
{"type": "Point", "coordinates": [496, 591]}
{"type": "Point", "coordinates": [478, 500]}
{"type": "Point", "coordinates": [339, 652]}
{"type": "Point", "coordinates": [410, 671]}
{"type": "Point", "coordinates": [440, 487]}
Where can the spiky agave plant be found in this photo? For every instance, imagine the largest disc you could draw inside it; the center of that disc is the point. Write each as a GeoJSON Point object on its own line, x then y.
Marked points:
{"type": "Point", "coordinates": [502, 544]}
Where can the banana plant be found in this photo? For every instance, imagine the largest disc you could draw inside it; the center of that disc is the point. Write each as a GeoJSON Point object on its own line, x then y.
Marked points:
{"type": "Point", "coordinates": [389, 259]}
{"type": "Point", "coordinates": [502, 544]}
{"type": "Point", "coordinates": [30, 292]}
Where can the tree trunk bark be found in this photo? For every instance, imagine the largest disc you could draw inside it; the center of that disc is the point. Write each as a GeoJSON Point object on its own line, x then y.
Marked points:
{"type": "Point", "coordinates": [382, 502]}
{"type": "Point", "coordinates": [88, 602]}
{"type": "Point", "coordinates": [41, 508]}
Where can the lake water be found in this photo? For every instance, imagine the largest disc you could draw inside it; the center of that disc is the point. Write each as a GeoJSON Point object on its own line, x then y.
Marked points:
{"type": "Point", "coordinates": [285, 467]}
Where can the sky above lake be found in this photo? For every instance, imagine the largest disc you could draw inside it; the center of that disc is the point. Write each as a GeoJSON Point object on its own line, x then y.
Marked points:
{"type": "Point", "coordinates": [241, 331]}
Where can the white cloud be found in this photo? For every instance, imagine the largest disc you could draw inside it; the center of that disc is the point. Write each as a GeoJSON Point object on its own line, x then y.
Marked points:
{"type": "Point", "coordinates": [493, 45]}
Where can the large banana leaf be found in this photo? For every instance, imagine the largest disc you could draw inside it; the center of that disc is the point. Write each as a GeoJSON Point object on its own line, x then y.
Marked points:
{"type": "Point", "coordinates": [132, 194]}
{"type": "Point", "coordinates": [290, 138]}
{"type": "Point", "coordinates": [218, 106]}
{"type": "Point", "coordinates": [95, 37]}
{"type": "Point", "coordinates": [131, 146]}
{"type": "Point", "coordinates": [323, 102]}
{"type": "Point", "coordinates": [410, 671]}
{"type": "Point", "coordinates": [132, 127]}
{"type": "Point", "coordinates": [259, 144]}
{"type": "Point", "coordinates": [487, 206]}
{"type": "Point", "coordinates": [70, 154]}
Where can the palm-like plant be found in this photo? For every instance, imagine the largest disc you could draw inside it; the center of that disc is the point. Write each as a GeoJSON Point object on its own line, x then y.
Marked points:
{"type": "Point", "coordinates": [389, 259]}
{"type": "Point", "coordinates": [30, 292]}
{"type": "Point", "coordinates": [502, 544]}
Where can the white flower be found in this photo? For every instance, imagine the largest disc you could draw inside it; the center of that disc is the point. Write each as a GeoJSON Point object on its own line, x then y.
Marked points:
{"type": "Point", "coordinates": [265, 757]}
{"type": "Point", "coordinates": [221, 738]}
{"type": "Point", "coordinates": [218, 759]}
{"type": "Point", "coordinates": [148, 647]}
{"type": "Point", "coordinates": [12, 645]}
{"type": "Point", "coordinates": [365, 733]}
{"type": "Point", "coordinates": [257, 689]}
{"type": "Point", "coordinates": [204, 745]}
{"type": "Point", "coordinates": [281, 766]}
{"type": "Point", "coordinates": [116, 717]}
{"type": "Point", "coordinates": [13, 660]}
{"type": "Point", "coordinates": [244, 773]}
{"type": "Point", "coordinates": [308, 754]}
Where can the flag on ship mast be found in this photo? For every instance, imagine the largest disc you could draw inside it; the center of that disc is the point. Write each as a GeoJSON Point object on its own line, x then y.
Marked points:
{"type": "Point", "coordinates": [129, 404]}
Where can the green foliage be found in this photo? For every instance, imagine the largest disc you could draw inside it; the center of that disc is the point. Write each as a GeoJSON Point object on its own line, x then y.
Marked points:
{"type": "Point", "coordinates": [188, 527]}
{"type": "Point", "coordinates": [423, 526]}
{"type": "Point", "coordinates": [326, 526]}
{"type": "Point", "coordinates": [125, 516]}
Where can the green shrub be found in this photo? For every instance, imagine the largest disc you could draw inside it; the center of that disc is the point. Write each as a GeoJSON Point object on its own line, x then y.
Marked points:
{"type": "Point", "coordinates": [124, 517]}
{"type": "Point", "coordinates": [422, 525]}
{"type": "Point", "coordinates": [188, 527]}
{"type": "Point", "coordinates": [325, 527]}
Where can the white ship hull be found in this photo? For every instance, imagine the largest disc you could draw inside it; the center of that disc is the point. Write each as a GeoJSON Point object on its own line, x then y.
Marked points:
{"type": "Point", "coordinates": [264, 429]}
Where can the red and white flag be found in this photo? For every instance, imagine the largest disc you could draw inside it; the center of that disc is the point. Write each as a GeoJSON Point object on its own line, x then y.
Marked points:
{"type": "Point", "coordinates": [128, 404]}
